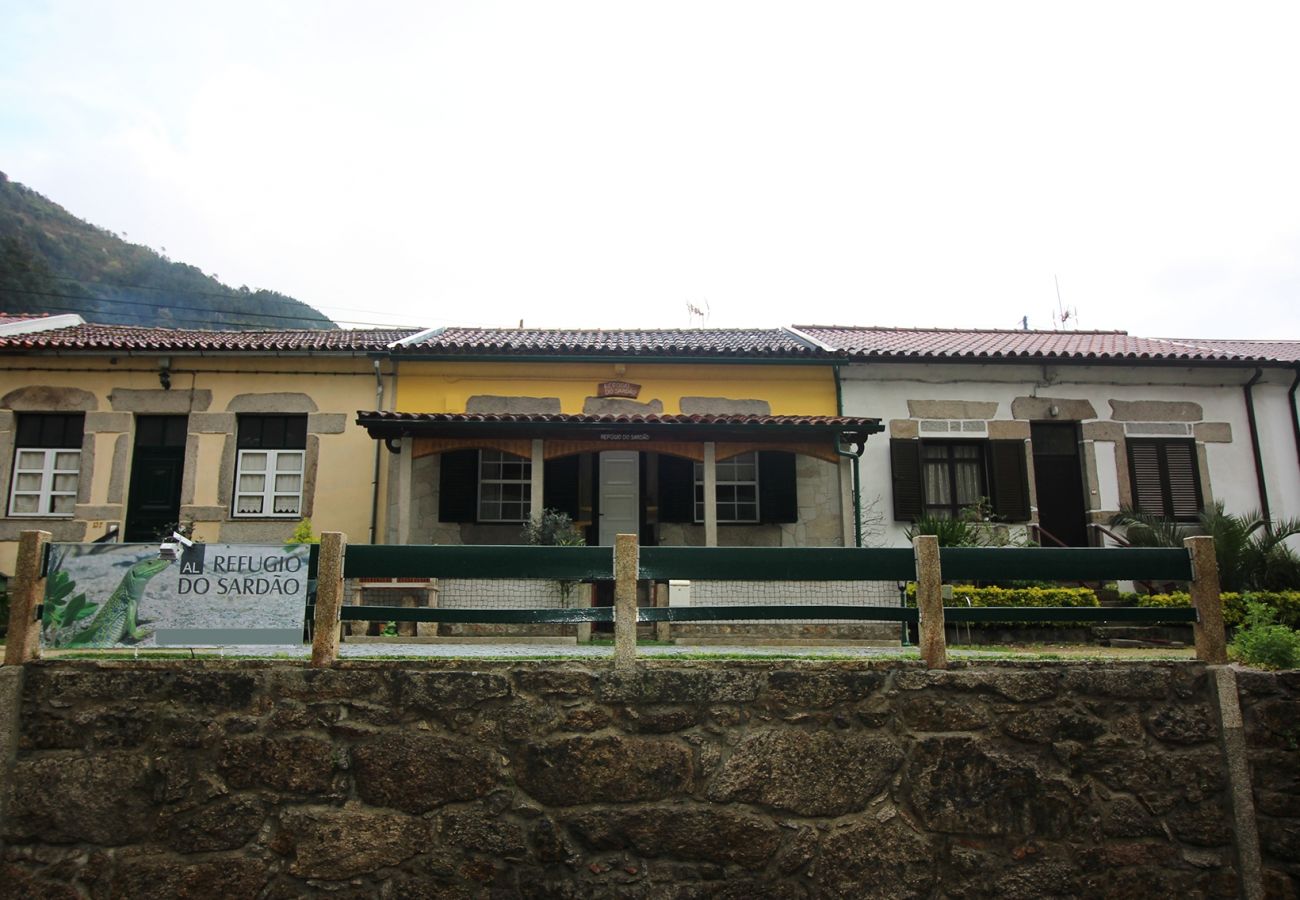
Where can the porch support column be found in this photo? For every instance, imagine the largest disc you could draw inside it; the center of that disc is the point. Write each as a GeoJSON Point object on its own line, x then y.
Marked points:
{"type": "Point", "coordinates": [847, 506]}
{"type": "Point", "coordinates": [404, 489]}
{"type": "Point", "coordinates": [710, 494]}
{"type": "Point", "coordinates": [538, 480]}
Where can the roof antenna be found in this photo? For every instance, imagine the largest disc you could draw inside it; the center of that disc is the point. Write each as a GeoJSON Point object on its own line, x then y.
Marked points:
{"type": "Point", "coordinates": [693, 312]}
{"type": "Point", "coordinates": [1063, 313]}
{"type": "Point", "coordinates": [1024, 323]}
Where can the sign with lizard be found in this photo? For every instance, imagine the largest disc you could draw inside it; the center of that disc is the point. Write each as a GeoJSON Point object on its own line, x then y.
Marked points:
{"type": "Point", "coordinates": [133, 595]}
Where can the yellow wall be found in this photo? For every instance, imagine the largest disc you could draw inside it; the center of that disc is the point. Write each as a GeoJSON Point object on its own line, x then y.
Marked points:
{"type": "Point", "coordinates": [342, 495]}
{"type": "Point", "coordinates": [441, 387]}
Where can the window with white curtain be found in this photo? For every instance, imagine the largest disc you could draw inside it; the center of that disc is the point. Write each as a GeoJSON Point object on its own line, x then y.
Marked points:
{"type": "Point", "coordinates": [47, 464]}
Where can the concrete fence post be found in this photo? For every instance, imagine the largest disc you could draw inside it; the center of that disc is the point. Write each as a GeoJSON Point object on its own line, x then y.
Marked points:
{"type": "Point", "coordinates": [26, 592]}
{"type": "Point", "coordinates": [929, 602]}
{"type": "Point", "coordinates": [626, 563]}
{"type": "Point", "coordinates": [1211, 642]}
{"type": "Point", "coordinates": [329, 599]}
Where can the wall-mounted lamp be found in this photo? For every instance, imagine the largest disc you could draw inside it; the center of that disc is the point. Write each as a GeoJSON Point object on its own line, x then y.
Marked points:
{"type": "Point", "coordinates": [165, 372]}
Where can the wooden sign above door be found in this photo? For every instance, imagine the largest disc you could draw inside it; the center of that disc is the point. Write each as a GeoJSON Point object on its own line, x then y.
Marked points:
{"type": "Point", "coordinates": [618, 389]}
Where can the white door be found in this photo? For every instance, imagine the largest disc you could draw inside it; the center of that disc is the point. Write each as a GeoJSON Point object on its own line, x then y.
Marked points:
{"type": "Point", "coordinates": [620, 494]}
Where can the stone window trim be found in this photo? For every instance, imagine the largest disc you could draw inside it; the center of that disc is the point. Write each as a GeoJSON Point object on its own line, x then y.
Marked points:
{"type": "Point", "coordinates": [505, 485]}
{"type": "Point", "coordinates": [46, 465]}
{"type": "Point", "coordinates": [738, 497]}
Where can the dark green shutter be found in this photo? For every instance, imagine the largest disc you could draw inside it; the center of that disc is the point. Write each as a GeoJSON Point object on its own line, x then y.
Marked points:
{"type": "Point", "coordinates": [676, 489]}
{"type": "Point", "coordinates": [778, 495]}
{"type": "Point", "coordinates": [905, 465]}
{"type": "Point", "coordinates": [458, 486]}
{"type": "Point", "coordinates": [560, 485]}
{"type": "Point", "coordinates": [1008, 480]}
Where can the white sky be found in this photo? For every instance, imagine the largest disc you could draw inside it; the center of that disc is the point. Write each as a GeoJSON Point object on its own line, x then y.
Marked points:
{"type": "Point", "coordinates": [585, 164]}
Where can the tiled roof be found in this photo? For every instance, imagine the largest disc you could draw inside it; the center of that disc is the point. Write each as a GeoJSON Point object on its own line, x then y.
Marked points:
{"type": "Point", "coordinates": [398, 418]}
{"type": "Point", "coordinates": [971, 344]}
{"type": "Point", "coordinates": [130, 338]}
{"type": "Point", "coordinates": [736, 342]}
{"type": "Point", "coordinates": [1267, 351]}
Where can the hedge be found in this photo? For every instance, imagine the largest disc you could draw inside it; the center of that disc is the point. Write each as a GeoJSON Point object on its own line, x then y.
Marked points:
{"type": "Point", "coordinates": [1287, 604]}
{"type": "Point", "coordinates": [1011, 597]}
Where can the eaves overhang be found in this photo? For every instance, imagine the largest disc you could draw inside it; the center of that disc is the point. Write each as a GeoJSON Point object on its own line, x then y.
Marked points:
{"type": "Point", "coordinates": [396, 425]}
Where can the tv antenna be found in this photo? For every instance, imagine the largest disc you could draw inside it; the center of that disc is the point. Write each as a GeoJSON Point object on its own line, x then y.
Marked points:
{"type": "Point", "coordinates": [1064, 315]}
{"type": "Point", "coordinates": [696, 317]}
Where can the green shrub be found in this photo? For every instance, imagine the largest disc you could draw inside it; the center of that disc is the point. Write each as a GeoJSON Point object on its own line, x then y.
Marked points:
{"type": "Point", "coordinates": [1021, 596]}
{"type": "Point", "coordinates": [1285, 604]}
{"type": "Point", "coordinates": [1261, 642]}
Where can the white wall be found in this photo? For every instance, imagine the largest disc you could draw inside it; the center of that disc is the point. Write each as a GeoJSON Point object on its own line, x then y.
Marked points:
{"type": "Point", "coordinates": [883, 391]}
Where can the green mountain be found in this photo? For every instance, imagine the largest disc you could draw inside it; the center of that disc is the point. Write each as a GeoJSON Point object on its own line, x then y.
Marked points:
{"type": "Point", "coordinates": [53, 262]}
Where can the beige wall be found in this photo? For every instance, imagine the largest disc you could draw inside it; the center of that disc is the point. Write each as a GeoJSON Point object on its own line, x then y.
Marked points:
{"type": "Point", "coordinates": [212, 391]}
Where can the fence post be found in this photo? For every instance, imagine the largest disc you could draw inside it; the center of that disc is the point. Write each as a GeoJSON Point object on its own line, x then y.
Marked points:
{"type": "Point", "coordinates": [1211, 643]}
{"type": "Point", "coordinates": [27, 591]}
{"type": "Point", "coordinates": [626, 563]}
{"type": "Point", "coordinates": [329, 599]}
{"type": "Point", "coordinates": [929, 602]}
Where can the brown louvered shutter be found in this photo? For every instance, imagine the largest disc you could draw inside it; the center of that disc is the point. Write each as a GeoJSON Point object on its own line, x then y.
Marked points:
{"type": "Point", "coordinates": [1165, 478]}
{"type": "Point", "coordinates": [1144, 475]}
{"type": "Point", "coordinates": [1183, 480]}
{"type": "Point", "coordinates": [905, 465]}
{"type": "Point", "coordinates": [1008, 480]}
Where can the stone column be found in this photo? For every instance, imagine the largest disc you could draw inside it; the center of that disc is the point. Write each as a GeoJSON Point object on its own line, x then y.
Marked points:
{"type": "Point", "coordinates": [329, 599]}
{"type": "Point", "coordinates": [1211, 643]}
{"type": "Point", "coordinates": [710, 494]}
{"type": "Point", "coordinates": [626, 563]}
{"type": "Point", "coordinates": [26, 593]}
{"type": "Point", "coordinates": [404, 489]}
{"type": "Point", "coordinates": [929, 602]}
{"type": "Point", "coordinates": [538, 486]}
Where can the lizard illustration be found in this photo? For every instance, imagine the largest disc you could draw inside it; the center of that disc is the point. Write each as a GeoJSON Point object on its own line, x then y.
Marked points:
{"type": "Point", "coordinates": [116, 620]}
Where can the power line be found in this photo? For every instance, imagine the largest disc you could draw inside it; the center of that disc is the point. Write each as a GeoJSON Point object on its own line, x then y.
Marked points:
{"type": "Point", "coordinates": [231, 293]}
{"type": "Point", "coordinates": [170, 306]}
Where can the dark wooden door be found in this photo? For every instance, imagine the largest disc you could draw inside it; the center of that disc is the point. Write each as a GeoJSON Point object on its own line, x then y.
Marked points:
{"type": "Point", "coordinates": [1058, 479]}
{"type": "Point", "coordinates": [157, 468]}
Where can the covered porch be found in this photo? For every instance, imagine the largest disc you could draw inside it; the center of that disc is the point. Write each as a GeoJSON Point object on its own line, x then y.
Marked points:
{"type": "Point", "coordinates": [673, 480]}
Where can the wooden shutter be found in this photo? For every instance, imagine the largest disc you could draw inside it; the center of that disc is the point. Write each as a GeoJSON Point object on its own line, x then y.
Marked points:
{"type": "Point", "coordinates": [1144, 476]}
{"type": "Point", "coordinates": [905, 465]}
{"type": "Point", "coordinates": [1182, 477]}
{"type": "Point", "coordinates": [560, 485]}
{"type": "Point", "coordinates": [458, 486]}
{"type": "Point", "coordinates": [676, 489]}
{"type": "Point", "coordinates": [778, 491]}
{"type": "Point", "coordinates": [1008, 480]}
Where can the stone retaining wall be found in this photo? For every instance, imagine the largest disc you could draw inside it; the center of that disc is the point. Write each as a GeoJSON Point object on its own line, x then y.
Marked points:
{"type": "Point", "coordinates": [721, 779]}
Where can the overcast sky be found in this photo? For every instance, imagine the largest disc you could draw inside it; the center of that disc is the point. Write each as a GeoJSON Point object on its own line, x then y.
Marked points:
{"type": "Point", "coordinates": [608, 163]}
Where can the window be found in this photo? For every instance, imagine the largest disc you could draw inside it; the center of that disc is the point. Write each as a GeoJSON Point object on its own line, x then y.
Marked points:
{"type": "Point", "coordinates": [953, 477]}
{"type": "Point", "coordinates": [737, 483]}
{"type": "Point", "coordinates": [940, 477]}
{"type": "Point", "coordinates": [1165, 478]}
{"type": "Point", "coordinates": [505, 487]}
{"type": "Point", "coordinates": [268, 478]}
{"type": "Point", "coordinates": [47, 464]}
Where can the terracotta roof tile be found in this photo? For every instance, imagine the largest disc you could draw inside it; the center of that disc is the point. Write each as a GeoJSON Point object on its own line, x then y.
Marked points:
{"type": "Point", "coordinates": [130, 338]}
{"type": "Point", "coordinates": [739, 342]}
{"type": "Point", "coordinates": [577, 419]}
{"type": "Point", "coordinates": [967, 344]}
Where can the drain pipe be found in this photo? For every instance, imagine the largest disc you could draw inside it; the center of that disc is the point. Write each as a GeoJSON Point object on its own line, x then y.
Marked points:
{"type": "Point", "coordinates": [374, 484]}
{"type": "Point", "coordinates": [1295, 417]}
{"type": "Point", "coordinates": [1254, 446]}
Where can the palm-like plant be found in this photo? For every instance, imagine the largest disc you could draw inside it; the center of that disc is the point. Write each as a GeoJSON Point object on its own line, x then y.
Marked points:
{"type": "Point", "coordinates": [1251, 555]}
